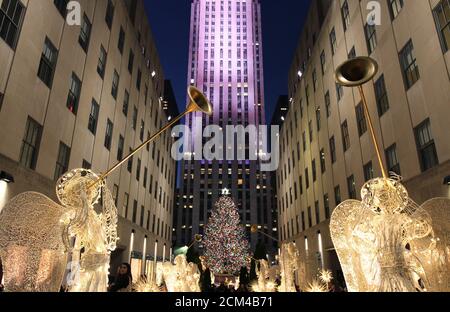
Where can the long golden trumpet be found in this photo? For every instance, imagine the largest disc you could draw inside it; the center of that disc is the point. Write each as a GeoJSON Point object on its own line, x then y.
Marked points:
{"type": "Point", "coordinates": [198, 103]}
{"type": "Point", "coordinates": [355, 73]}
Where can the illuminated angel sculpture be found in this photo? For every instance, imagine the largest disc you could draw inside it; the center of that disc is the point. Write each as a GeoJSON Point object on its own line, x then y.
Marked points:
{"type": "Point", "coordinates": [289, 260]}
{"type": "Point", "coordinates": [384, 241]}
{"type": "Point", "coordinates": [181, 277]}
{"type": "Point", "coordinates": [264, 282]}
{"type": "Point", "coordinates": [95, 233]}
{"type": "Point", "coordinates": [35, 234]}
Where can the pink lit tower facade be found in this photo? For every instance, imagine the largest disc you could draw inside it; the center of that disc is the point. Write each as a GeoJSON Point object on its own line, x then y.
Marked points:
{"type": "Point", "coordinates": [226, 63]}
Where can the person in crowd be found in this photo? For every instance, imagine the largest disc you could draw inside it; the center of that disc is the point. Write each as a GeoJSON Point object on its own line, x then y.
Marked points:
{"type": "Point", "coordinates": [123, 281]}
{"type": "Point", "coordinates": [1, 275]}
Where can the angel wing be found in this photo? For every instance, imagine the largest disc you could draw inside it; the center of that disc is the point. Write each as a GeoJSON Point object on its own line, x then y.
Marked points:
{"type": "Point", "coordinates": [345, 220]}
{"type": "Point", "coordinates": [433, 251]}
{"type": "Point", "coordinates": [109, 219]}
{"type": "Point", "coordinates": [31, 243]}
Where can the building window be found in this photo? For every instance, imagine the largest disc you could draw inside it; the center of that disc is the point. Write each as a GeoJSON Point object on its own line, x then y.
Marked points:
{"type": "Point", "coordinates": [328, 103]}
{"type": "Point", "coordinates": [120, 148]}
{"type": "Point", "coordinates": [381, 96]}
{"type": "Point", "coordinates": [145, 176]}
{"type": "Point", "coordinates": [126, 101]}
{"type": "Point", "coordinates": [333, 150]}
{"type": "Point", "coordinates": [130, 163]}
{"type": "Point", "coordinates": [339, 91]}
{"type": "Point", "coordinates": [102, 62]}
{"type": "Point", "coordinates": [135, 116]}
{"type": "Point", "coordinates": [314, 77]}
{"type": "Point", "coordinates": [395, 7]}
{"type": "Point", "coordinates": [30, 144]}
{"type": "Point", "coordinates": [368, 171]}
{"type": "Point", "coordinates": [11, 17]}
{"type": "Point", "coordinates": [314, 171]}
{"type": "Point", "coordinates": [109, 14]}
{"type": "Point", "coordinates": [141, 132]}
{"type": "Point", "coordinates": [309, 217]}
{"type": "Point", "coordinates": [115, 85]}
{"type": "Point", "coordinates": [337, 195]}
{"type": "Point", "coordinates": [85, 33]}
{"type": "Point", "coordinates": [115, 194]}
{"type": "Point", "coordinates": [48, 63]}
{"type": "Point", "coordinates": [2, 97]}
{"type": "Point", "coordinates": [130, 61]}
{"type": "Point", "coordinates": [307, 178]}
{"type": "Point", "coordinates": [442, 17]}
{"type": "Point", "coordinates": [73, 97]}
{"type": "Point", "coordinates": [61, 6]}
{"type": "Point", "coordinates": [125, 204]}
{"type": "Point", "coordinates": [392, 160]}
{"type": "Point", "coordinates": [425, 145]}
{"type": "Point", "coordinates": [134, 211]}
{"type": "Point", "coordinates": [141, 221]}
{"type": "Point", "coordinates": [108, 134]}
{"type": "Point", "coordinates": [333, 41]}
{"type": "Point", "coordinates": [345, 15]}
{"type": "Point", "coordinates": [317, 211]}
{"type": "Point", "coordinates": [323, 167]}
{"type": "Point", "coordinates": [310, 128]}
{"type": "Point", "coordinates": [326, 204]}
{"type": "Point", "coordinates": [361, 119]}
{"type": "Point", "coordinates": [86, 165]}
{"type": "Point", "coordinates": [62, 162]}
{"type": "Point", "coordinates": [345, 136]}
{"type": "Point", "coordinates": [138, 80]}
{"type": "Point", "coordinates": [93, 117]}
{"type": "Point", "coordinates": [138, 169]}
{"type": "Point", "coordinates": [318, 119]}
{"type": "Point", "coordinates": [352, 53]}
{"type": "Point", "coordinates": [351, 187]}
{"type": "Point", "coordinates": [409, 65]}
{"type": "Point", "coordinates": [121, 42]}
{"type": "Point", "coordinates": [371, 37]}
{"type": "Point", "coordinates": [322, 62]}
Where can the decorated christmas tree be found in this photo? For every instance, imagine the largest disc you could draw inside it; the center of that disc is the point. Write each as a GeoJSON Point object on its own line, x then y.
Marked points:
{"type": "Point", "coordinates": [226, 247]}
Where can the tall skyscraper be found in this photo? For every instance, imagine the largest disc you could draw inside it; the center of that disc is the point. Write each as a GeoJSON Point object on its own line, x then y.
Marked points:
{"type": "Point", "coordinates": [226, 63]}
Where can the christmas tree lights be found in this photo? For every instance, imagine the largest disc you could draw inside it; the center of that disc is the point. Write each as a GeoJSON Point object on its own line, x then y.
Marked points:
{"type": "Point", "coordinates": [226, 247]}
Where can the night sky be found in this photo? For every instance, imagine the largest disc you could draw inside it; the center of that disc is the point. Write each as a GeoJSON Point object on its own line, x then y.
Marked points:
{"type": "Point", "coordinates": [282, 21]}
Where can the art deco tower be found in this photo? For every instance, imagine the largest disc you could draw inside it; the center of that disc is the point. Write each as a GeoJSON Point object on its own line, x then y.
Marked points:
{"type": "Point", "coordinates": [226, 63]}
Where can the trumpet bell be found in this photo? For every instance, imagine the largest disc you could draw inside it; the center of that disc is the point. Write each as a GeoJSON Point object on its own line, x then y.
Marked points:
{"type": "Point", "coordinates": [356, 72]}
{"type": "Point", "coordinates": [199, 103]}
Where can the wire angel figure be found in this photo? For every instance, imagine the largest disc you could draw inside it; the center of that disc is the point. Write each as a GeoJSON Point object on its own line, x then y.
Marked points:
{"type": "Point", "coordinates": [376, 239]}
{"type": "Point", "coordinates": [289, 263]}
{"type": "Point", "coordinates": [35, 235]}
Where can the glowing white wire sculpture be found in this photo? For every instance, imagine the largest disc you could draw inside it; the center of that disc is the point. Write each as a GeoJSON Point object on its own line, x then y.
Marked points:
{"type": "Point", "coordinates": [289, 263]}
{"type": "Point", "coordinates": [35, 233]}
{"type": "Point", "coordinates": [386, 242]}
{"type": "Point", "coordinates": [264, 282]}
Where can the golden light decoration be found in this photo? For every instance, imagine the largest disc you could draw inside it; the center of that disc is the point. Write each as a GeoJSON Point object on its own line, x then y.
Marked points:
{"type": "Point", "coordinates": [289, 263]}
{"type": "Point", "coordinates": [325, 276]}
{"type": "Point", "coordinates": [265, 282]}
{"type": "Point", "coordinates": [316, 286]}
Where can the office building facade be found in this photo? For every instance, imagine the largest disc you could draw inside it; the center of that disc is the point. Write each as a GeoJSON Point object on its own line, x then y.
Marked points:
{"type": "Point", "coordinates": [85, 96]}
{"type": "Point", "coordinates": [326, 150]}
{"type": "Point", "coordinates": [226, 63]}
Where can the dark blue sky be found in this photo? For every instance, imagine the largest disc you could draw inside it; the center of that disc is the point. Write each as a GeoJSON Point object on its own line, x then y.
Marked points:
{"type": "Point", "coordinates": [282, 21]}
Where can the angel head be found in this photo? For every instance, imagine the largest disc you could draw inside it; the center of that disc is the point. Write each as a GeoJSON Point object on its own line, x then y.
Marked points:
{"type": "Point", "coordinates": [384, 196]}
{"type": "Point", "coordinates": [76, 184]}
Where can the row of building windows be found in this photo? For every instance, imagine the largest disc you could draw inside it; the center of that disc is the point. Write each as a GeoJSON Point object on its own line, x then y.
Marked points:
{"type": "Point", "coordinates": [427, 155]}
